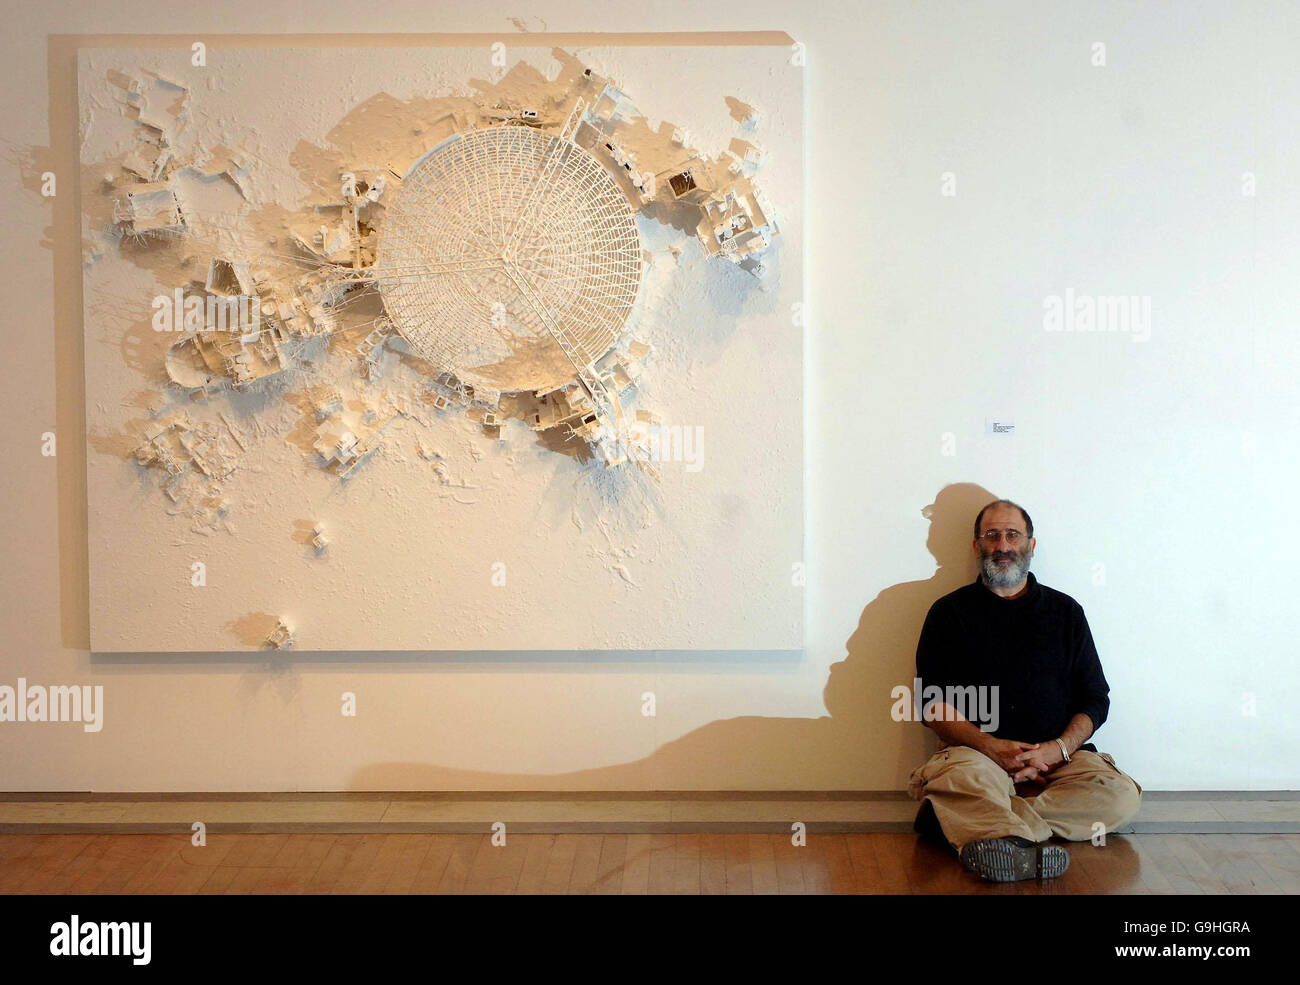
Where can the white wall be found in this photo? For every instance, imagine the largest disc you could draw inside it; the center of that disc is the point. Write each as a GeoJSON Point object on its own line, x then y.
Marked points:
{"type": "Point", "coordinates": [1168, 461]}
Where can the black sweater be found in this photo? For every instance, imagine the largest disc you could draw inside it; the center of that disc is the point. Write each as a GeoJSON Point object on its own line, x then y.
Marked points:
{"type": "Point", "coordinates": [1037, 649]}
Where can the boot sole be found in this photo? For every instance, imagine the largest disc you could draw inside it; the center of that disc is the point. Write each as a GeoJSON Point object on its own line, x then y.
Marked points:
{"type": "Point", "coordinates": [1003, 860]}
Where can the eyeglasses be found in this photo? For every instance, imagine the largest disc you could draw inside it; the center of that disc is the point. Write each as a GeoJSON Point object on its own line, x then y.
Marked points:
{"type": "Point", "coordinates": [994, 536]}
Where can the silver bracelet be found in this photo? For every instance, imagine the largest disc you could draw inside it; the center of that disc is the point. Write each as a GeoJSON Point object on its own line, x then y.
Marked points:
{"type": "Point", "coordinates": [1061, 743]}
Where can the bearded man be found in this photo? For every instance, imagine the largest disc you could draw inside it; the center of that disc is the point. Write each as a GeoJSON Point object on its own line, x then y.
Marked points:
{"type": "Point", "coordinates": [998, 793]}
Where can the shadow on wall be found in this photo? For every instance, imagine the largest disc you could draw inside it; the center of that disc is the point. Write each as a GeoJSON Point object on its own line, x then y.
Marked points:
{"type": "Point", "coordinates": [758, 753]}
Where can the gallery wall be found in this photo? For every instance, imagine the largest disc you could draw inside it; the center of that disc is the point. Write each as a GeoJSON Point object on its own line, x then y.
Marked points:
{"type": "Point", "coordinates": [973, 170]}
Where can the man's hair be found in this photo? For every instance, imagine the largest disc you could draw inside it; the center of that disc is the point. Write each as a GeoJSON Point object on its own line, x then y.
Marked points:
{"type": "Point", "coordinates": [1029, 524]}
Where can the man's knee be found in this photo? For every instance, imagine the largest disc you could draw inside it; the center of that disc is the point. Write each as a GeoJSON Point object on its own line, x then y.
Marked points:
{"type": "Point", "coordinates": [963, 767]}
{"type": "Point", "coordinates": [1112, 794]}
{"type": "Point", "coordinates": [1124, 799]}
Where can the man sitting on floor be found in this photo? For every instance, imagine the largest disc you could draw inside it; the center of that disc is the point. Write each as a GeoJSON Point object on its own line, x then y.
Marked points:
{"type": "Point", "coordinates": [997, 796]}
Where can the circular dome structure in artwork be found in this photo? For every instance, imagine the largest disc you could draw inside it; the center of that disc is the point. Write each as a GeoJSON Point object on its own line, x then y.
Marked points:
{"type": "Point", "coordinates": [509, 257]}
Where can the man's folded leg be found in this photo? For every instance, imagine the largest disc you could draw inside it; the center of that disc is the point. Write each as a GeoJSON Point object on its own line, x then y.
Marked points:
{"type": "Point", "coordinates": [997, 834]}
{"type": "Point", "coordinates": [974, 799]}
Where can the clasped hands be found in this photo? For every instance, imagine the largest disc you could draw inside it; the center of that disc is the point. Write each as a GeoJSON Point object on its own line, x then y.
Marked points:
{"type": "Point", "coordinates": [1025, 762]}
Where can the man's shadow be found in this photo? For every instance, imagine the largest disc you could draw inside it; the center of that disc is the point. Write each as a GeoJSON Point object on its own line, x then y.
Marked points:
{"type": "Point", "coordinates": [765, 753]}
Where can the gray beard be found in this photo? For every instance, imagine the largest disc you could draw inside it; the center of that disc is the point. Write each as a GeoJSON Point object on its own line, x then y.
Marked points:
{"type": "Point", "coordinates": [1012, 574]}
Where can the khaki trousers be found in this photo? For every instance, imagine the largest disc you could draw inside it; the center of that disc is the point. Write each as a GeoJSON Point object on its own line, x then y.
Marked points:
{"type": "Point", "coordinates": [974, 798]}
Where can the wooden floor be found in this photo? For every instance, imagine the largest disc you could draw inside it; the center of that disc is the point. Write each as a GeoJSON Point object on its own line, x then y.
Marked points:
{"type": "Point", "coordinates": [619, 863]}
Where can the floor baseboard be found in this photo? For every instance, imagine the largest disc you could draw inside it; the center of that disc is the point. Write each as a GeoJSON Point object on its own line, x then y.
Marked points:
{"type": "Point", "coordinates": [524, 813]}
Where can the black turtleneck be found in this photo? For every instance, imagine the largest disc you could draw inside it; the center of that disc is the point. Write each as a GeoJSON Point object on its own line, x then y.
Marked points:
{"type": "Point", "coordinates": [1036, 648]}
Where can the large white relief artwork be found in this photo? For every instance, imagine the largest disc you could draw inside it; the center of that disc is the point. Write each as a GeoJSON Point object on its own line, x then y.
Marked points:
{"type": "Point", "coordinates": [444, 348]}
